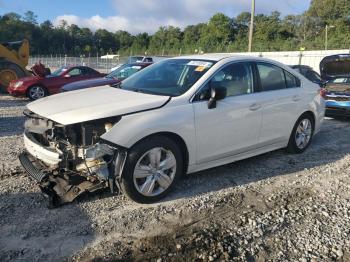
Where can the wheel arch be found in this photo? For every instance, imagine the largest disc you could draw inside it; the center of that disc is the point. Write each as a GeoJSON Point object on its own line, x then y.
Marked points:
{"type": "Point", "coordinates": [311, 114]}
{"type": "Point", "coordinates": [177, 139]}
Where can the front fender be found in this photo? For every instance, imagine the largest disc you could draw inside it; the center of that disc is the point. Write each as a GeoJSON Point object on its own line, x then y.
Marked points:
{"type": "Point", "coordinates": [178, 120]}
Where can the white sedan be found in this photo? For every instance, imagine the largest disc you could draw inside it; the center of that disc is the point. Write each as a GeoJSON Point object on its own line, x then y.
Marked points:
{"type": "Point", "coordinates": [178, 116]}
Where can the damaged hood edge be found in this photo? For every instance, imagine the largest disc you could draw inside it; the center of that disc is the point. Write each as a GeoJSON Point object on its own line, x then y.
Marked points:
{"type": "Point", "coordinates": [94, 103]}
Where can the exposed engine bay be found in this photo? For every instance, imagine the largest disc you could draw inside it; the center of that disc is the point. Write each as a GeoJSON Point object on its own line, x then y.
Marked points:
{"type": "Point", "coordinates": [67, 161]}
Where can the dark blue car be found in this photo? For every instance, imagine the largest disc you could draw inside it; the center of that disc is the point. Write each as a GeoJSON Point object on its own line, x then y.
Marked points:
{"type": "Point", "coordinates": [335, 70]}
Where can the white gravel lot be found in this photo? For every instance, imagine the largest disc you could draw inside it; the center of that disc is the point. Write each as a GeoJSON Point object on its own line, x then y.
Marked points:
{"type": "Point", "coordinates": [274, 207]}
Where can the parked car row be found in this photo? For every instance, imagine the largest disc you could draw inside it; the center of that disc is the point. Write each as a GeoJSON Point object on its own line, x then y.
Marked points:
{"type": "Point", "coordinates": [69, 78]}
{"type": "Point", "coordinates": [334, 79]}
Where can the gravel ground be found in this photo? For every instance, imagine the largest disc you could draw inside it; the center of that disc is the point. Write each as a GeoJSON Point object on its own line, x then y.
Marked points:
{"type": "Point", "coordinates": [274, 207]}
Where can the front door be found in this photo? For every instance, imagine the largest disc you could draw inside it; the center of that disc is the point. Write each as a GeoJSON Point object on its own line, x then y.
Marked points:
{"type": "Point", "coordinates": [73, 75]}
{"type": "Point", "coordinates": [233, 126]}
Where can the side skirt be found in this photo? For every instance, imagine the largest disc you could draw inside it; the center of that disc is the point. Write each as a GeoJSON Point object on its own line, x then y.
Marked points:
{"type": "Point", "coordinates": [234, 158]}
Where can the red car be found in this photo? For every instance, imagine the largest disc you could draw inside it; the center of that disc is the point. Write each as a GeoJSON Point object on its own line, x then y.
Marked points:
{"type": "Point", "coordinates": [35, 87]}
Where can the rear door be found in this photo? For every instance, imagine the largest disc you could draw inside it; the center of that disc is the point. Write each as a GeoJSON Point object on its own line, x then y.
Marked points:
{"type": "Point", "coordinates": [281, 99]}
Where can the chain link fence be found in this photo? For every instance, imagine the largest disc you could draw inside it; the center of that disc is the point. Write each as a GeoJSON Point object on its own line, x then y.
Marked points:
{"type": "Point", "coordinates": [57, 61]}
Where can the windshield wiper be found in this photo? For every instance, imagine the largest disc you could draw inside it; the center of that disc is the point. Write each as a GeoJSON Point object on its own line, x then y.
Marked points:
{"type": "Point", "coordinates": [138, 90]}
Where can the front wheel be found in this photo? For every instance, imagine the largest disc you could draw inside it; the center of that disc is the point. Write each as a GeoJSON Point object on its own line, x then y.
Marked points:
{"type": "Point", "coordinates": [152, 169]}
{"type": "Point", "coordinates": [36, 92]}
{"type": "Point", "coordinates": [301, 136]}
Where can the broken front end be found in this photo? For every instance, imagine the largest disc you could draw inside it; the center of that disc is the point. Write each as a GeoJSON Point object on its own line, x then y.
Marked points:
{"type": "Point", "coordinates": [67, 161]}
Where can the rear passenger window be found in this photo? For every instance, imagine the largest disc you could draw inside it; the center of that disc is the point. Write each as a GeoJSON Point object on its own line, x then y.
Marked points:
{"type": "Point", "coordinates": [271, 77]}
{"type": "Point", "coordinates": [291, 81]}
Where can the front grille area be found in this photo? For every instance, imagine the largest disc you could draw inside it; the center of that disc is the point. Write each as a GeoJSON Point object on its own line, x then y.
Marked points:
{"type": "Point", "coordinates": [27, 164]}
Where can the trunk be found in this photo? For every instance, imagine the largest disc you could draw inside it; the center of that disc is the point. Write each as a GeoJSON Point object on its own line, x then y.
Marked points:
{"type": "Point", "coordinates": [335, 66]}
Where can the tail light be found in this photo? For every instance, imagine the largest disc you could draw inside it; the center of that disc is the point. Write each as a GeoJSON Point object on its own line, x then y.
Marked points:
{"type": "Point", "coordinates": [323, 92]}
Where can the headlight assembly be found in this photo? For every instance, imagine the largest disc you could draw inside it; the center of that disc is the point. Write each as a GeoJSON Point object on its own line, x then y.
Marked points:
{"type": "Point", "coordinates": [18, 84]}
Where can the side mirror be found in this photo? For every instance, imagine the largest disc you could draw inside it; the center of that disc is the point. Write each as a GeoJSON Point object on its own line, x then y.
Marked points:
{"type": "Point", "coordinates": [216, 93]}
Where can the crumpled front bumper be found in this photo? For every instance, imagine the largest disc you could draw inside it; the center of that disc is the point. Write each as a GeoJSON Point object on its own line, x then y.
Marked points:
{"type": "Point", "coordinates": [45, 154]}
{"type": "Point", "coordinates": [59, 188]}
{"type": "Point", "coordinates": [61, 185]}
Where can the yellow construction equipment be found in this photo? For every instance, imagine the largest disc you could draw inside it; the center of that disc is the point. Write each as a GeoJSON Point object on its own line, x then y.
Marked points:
{"type": "Point", "coordinates": [14, 57]}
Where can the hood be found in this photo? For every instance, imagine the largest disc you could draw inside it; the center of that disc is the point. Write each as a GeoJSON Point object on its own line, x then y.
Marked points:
{"type": "Point", "coordinates": [94, 103]}
{"type": "Point", "coordinates": [335, 66]}
{"type": "Point", "coordinates": [89, 83]}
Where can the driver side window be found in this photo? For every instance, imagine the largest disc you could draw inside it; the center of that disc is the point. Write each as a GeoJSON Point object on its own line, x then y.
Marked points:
{"type": "Point", "coordinates": [237, 78]}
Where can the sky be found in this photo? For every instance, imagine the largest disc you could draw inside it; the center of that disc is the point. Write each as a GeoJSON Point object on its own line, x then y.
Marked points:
{"type": "Point", "coordinates": [137, 16]}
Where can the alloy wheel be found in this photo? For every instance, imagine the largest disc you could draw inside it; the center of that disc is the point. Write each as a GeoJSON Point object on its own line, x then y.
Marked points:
{"type": "Point", "coordinates": [36, 92]}
{"type": "Point", "coordinates": [303, 133]}
{"type": "Point", "coordinates": [154, 172]}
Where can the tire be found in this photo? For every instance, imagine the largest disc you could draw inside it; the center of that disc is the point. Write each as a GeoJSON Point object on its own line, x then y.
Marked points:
{"type": "Point", "coordinates": [302, 134]}
{"type": "Point", "coordinates": [139, 172]}
{"type": "Point", "coordinates": [8, 72]}
{"type": "Point", "coordinates": [36, 92]}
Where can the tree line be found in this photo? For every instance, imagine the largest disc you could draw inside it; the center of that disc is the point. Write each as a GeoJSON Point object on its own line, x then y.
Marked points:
{"type": "Point", "coordinates": [220, 34]}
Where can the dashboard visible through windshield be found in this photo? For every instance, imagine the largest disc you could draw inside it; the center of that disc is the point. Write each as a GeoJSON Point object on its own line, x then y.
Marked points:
{"type": "Point", "coordinates": [172, 77]}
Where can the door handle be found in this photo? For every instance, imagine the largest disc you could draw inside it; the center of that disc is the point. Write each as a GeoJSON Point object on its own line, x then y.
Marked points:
{"type": "Point", "coordinates": [255, 107]}
{"type": "Point", "coordinates": [296, 98]}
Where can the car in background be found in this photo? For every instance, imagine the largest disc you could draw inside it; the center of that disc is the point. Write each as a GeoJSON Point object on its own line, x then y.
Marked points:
{"type": "Point", "coordinates": [178, 116]}
{"type": "Point", "coordinates": [112, 79]}
{"type": "Point", "coordinates": [135, 59]}
{"type": "Point", "coordinates": [335, 70]}
{"type": "Point", "coordinates": [309, 73]}
{"type": "Point", "coordinates": [35, 87]}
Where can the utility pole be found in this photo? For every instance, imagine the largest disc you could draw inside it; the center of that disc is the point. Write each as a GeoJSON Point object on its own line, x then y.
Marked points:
{"type": "Point", "coordinates": [326, 40]}
{"type": "Point", "coordinates": [326, 37]}
{"type": "Point", "coordinates": [251, 27]}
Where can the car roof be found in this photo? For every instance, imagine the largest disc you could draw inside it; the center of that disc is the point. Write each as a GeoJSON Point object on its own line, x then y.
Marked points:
{"type": "Point", "coordinates": [213, 57]}
{"type": "Point", "coordinates": [140, 63]}
{"type": "Point", "coordinates": [301, 66]}
{"type": "Point", "coordinates": [76, 66]}
{"type": "Point", "coordinates": [220, 56]}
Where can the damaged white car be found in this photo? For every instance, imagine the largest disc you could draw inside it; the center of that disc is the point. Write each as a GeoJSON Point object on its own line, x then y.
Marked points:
{"type": "Point", "coordinates": [178, 116]}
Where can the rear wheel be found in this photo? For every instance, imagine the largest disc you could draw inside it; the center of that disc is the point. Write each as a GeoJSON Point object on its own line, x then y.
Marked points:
{"type": "Point", "coordinates": [301, 136]}
{"type": "Point", "coordinates": [9, 72]}
{"type": "Point", "coordinates": [152, 169]}
{"type": "Point", "coordinates": [35, 92]}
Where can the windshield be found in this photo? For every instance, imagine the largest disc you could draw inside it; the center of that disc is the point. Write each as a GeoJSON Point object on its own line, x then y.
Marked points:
{"type": "Point", "coordinates": [58, 72]}
{"type": "Point", "coordinates": [134, 59]}
{"type": "Point", "coordinates": [171, 77]}
{"type": "Point", "coordinates": [124, 71]}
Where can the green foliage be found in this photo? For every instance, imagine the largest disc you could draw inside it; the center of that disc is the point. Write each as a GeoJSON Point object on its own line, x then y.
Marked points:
{"type": "Point", "coordinates": [329, 10]}
{"type": "Point", "coordinates": [221, 34]}
{"type": "Point", "coordinates": [217, 34]}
